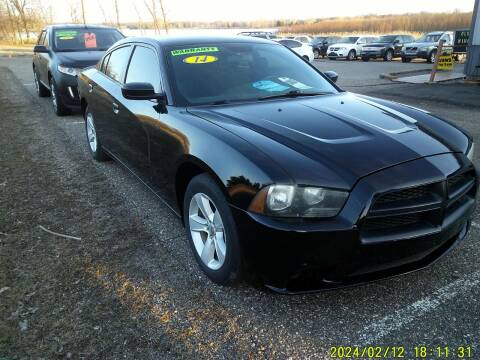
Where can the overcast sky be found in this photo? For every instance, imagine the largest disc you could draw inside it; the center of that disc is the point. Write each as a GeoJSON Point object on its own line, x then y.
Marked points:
{"type": "Point", "coordinates": [229, 10]}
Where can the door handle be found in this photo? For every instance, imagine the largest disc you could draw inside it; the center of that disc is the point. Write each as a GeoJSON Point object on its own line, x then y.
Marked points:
{"type": "Point", "coordinates": [90, 88]}
{"type": "Point", "coordinates": [115, 108]}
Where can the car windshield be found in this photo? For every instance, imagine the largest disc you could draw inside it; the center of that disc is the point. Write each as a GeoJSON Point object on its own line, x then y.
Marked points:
{"type": "Point", "coordinates": [348, 40]}
{"type": "Point", "coordinates": [430, 38]}
{"type": "Point", "coordinates": [318, 40]}
{"type": "Point", "coordinates": [82, 39]}
{"type": "Point", "coordinates": [386, 39]}
{"type": "Point", "coordinates": [232, 72]}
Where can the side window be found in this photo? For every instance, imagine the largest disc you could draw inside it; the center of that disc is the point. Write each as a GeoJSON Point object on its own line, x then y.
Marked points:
{"type": "Point", "coordinates": [103, 64]}
{"type": "Point", "coordinates": [45, 40]}
{"type": "Point", "coordinates": [117, 63]}
{"type": "Point", "coordinates": [41, 38]}
{"type": "Point", "coordinates": [144, 67]}
{"type": "Point", "coordinates": [361, 41]}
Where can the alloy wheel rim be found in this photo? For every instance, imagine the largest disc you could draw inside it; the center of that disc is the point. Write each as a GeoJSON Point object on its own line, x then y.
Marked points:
{"type": "Point", "coordinates": [432, 57]}
{"type": "Point", "coordinates": [207, 230]}
{"type": "Point", "coordinates": [35, 80]}
{"type": "Point", "coordinates": [54, 96]}
{"type": "Point", "coordinates": [91, 133]}
{"type": "Point", "coordinates": [389, 56]}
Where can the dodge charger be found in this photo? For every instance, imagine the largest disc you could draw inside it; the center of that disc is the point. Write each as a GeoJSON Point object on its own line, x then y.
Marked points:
{"type": "Point", "coordinates": [276, 172]}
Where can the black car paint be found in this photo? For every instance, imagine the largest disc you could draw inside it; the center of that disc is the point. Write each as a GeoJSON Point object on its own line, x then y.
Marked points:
{"type": "Point", "coordinates": [321, 44]}
{"type": "Point", "coordinates": [395, 47]}
{"type": "Point", "coordinates": [46, 62]}
{"type": "Point", "coordinates": [331, 141]}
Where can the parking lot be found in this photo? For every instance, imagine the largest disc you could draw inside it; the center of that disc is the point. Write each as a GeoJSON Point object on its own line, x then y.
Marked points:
{"type": "Point", "coordinates": [124, 284]}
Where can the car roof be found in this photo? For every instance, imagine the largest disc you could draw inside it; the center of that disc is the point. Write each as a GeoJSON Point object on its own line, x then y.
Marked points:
{"type": "Point", "coordinates": [437, 32]}
{"type": "Point", "coordinates": [78, 26]}
{"type": "Point", "coordinates": [179, 40]}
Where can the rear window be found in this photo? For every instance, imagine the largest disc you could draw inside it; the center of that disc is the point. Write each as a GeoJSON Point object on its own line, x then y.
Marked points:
{"type": "Point", "coordinates": [85, 39]}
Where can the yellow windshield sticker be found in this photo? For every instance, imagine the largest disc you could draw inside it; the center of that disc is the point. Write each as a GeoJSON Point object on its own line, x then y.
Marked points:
{"type": "Point", "coordinates": [66, 34]}
{"type": "Point", "coordinates": [200, 59]}
{"type": "Point", "coordinates": [194, 51]}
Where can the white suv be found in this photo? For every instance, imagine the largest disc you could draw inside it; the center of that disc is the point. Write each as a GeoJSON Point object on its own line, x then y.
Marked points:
{"type": "Point", "coordinates": [349, 47]}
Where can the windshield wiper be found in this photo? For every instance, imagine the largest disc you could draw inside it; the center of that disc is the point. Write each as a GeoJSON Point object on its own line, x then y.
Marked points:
{"type": "Point", "coordinates": [293, 94]}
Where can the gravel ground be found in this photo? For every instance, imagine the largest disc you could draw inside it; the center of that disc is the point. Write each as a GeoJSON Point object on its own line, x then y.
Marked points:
{"type": "Point", "coordinates": [127, 287]}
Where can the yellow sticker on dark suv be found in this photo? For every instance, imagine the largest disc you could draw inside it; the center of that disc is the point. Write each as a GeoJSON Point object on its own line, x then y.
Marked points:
{"type": "Point", "coordinates": [200, 59]}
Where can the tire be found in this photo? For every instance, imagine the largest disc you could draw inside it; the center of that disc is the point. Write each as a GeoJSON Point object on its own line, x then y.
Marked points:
{"type": "Point", "coordinates": [306, 58]}
{"type": "Point", "coordinates": [42, 90]}
{"type": "Point", "coordinates": [406, 60]}
{"type": "Point", "coordinates": [223, 269]}
{"type": "Point", "coordinates": [58, 106]}
{"type": "Point", "coordinates": [432, 57]}
{"type": "Point", "coordinates": [388, 55]}
{"type": "Point", "coordinates": [366, 59]}
{"type": "Point", "coordinates": [351, 55]}
{"type": "Point", "coordinates": [316, 54]}
{"type": "Point", "coordinates": [93, 142]}
{"type": "Point", "coordinates": [332, 58]}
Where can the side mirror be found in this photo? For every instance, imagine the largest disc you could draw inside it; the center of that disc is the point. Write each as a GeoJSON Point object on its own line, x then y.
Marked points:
{"type": "Point", "coordinates": [40, 49]}
{"type": "Point", "coordinates": [396, 41]}
{"type": "Point", "coordinates": [332, 75]}
{"type": "Point", "coordinates": [141, 91]}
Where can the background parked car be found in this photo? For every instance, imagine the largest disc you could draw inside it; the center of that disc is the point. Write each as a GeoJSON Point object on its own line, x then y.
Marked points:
{"type": "Point", "coordinates": [386, 47]}
{"type": "Point", "coordinates": [349, 47]}
{"type": "Point", "coordinates": [426, 47]}
{"type": "Point", "coordinates": [304, 39]}
{"type": "Point", "coordinates": [304, 50]}
{"type": "Point", "coordinates": [320, 44]}
{"type": "Point", "coordinates": [259, 34]}
{"type": "Point", "coordinates": [62, 51]}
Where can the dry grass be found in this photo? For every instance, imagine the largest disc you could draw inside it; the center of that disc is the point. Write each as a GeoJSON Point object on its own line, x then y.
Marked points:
{"type": "Point", "coordinates": [375, 24]}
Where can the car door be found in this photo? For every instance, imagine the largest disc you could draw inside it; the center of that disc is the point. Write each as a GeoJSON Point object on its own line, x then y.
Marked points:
{"type": "Point", "coordinates": [41, 60]}
{"type": "Point", "coordinates": [138, 115]}
{"type": "Point", "coordinates": [107, 92]}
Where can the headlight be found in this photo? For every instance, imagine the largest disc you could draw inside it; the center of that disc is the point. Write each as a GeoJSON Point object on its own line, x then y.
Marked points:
{"type": "Point", "coordinates": [471, 152]}
{"type": "Point", "coordinates": [68, 70]}
{"type": "Point", "coordinates": [295, 201]}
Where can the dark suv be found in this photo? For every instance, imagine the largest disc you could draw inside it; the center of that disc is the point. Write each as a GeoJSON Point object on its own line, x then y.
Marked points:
{"type": "Point", "coordinates": [387, 47]}
{"type": "Point", "coordinates": [62, 51]}
{"type": "Point", "coordinates": [320, 45]}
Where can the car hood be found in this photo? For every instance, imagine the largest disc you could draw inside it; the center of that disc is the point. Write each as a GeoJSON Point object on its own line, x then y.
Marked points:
{"type": "Point", "coordinates": [341, 45]}
{"type": "Point", "coordinates": [422, 44]}
{"type": "Point", "coordinates": [79, 59]}
{"type": "Point", "coordinates": [332, 140]}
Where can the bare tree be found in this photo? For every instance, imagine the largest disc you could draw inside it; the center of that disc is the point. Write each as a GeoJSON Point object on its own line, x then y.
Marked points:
{"type": "Point", "coordinates": [140, 22]}
{"type": "Point", "coordinates": [152, 9]}
{"type": "Point", "coordinates": [83, 12]}
{"type": "Point", "coordinates": [74, 14]}
{"type": "Point", "coordinates": [164, 15]}
{"type": "Point", "coordinates": [117, 14]}
{"type": "Point", "coordinates": [21, 8]}
{"type": "Point", "coordinates": [99, 2]}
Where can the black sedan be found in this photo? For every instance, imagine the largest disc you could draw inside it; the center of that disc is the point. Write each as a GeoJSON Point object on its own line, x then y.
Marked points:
{"type": "Point", "coordinates": [273, 168]}
{"type": "Point", "coordinates": [61, 52]}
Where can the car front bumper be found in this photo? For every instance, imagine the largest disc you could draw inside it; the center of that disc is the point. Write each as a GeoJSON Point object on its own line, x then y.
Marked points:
{"type": "Point", "coordinates": [415, 55]}
{"type": "Point", "coordinates": [337, 54]}
{"type": "Point", "coordinates": [292, 257]}
{"type": "Point", "coordinates": [67, 88]}
{"type": "Point", "coordinates": [373, 54]}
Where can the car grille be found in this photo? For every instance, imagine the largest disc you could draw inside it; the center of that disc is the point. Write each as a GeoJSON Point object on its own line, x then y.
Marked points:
{"type": "Point", "coordinates": [411, 48]}
{"type": "Point", "coordinates": [419, 210]}
{"type": "Point", "coordinates": [334, 49]}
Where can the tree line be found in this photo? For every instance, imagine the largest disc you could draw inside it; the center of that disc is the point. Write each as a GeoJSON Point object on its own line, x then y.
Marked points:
{"type": "Point", "coordinates": [420, 22]}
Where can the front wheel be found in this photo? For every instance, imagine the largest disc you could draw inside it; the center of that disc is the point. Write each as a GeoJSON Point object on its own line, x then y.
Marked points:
{"type": "Point", "coordinates": [432, 57]}
{"type": "Point", "coordinates": [42, 90]}
{"type": "Point", "coordinates": [316, 54]}
{"type": "Point", "coordinates": [351, 55]}
{"type": "Point", "coordinates": [58, 106]}
{"type": "Point", "coordinates": [306, 58]}
{"type": "Point", "coordinates": [211, 231]}
{"type": "Point", "coordinates": [94, 144]}
{"type": "Point", "coordinates": [388, 56]}
{"type": "Point", "coordinates": [365, 59]}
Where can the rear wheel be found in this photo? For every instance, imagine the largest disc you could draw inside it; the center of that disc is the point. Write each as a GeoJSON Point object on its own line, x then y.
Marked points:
{"type": "Point", "coordinates": [406, 60]}
{"type": "Point", "coordinates": [41, 89]}
{"type": "Point", "coordinates": [211, 230]}
{"type": "Point", "coordinates": [365, 59]}
{"type": "Point", "coordinates": [388, 55]}
{"type": "Point", "coordinates": [58, 106]}
{"type": "Point", "coordinates": [316, 54]}
{"type": "Point", "coordinates": [94, 144]}
{"type": "Point", "coordinates": [351, 55]}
